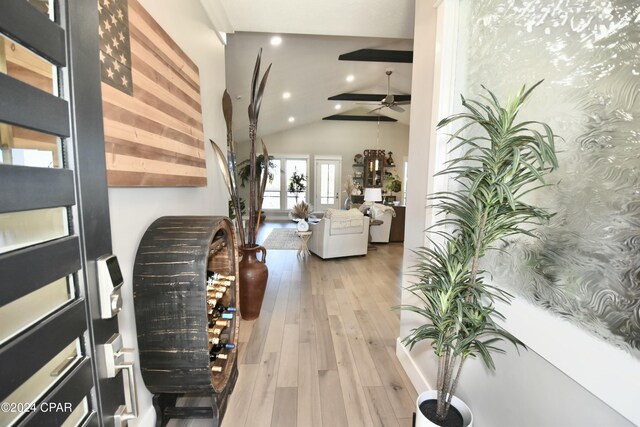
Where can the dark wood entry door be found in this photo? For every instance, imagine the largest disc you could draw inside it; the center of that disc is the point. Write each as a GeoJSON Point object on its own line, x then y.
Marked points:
{"type": "Point", "coordinates": [54, 218]}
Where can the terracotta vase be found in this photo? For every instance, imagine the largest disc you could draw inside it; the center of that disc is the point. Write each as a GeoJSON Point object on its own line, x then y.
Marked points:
{"type": "Point", "coordinates": [253, 276]}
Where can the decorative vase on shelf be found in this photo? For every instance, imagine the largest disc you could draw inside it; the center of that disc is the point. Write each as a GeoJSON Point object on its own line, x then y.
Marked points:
{"type": "Point", "coordinates": [253, 274]}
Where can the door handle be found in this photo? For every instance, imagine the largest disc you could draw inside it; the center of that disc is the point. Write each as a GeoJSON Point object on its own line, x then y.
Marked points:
{"type": "Point", "coordinates": [122, 415]}
{"type": "Point", "coordinates": [113, 355]}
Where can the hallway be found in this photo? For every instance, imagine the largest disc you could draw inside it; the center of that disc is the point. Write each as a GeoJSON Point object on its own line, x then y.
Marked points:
{"type": "Point", "coordinates": [322, 352]}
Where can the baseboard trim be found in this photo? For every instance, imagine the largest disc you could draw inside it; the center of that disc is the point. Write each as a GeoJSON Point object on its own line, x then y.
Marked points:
{"type": "Point", "coordinates": [418, 380]}
{"type": "Point", "coordinates": [146, 419]}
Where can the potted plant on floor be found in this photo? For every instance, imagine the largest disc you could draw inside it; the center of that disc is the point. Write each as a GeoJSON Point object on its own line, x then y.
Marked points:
{"type": "Point", "coordinates": [253, 272]}
{"type": "Point", "coordinates": [498, 166]}
{"type": "Point", "coordinates": [244, 173]}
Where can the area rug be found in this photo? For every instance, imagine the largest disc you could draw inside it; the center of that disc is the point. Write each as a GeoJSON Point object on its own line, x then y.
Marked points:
{"type": "Point", "coordinates": [282, 238]}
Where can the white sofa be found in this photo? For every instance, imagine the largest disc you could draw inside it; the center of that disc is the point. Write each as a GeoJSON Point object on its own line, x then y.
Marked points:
{"type": "Point", "coordinates": [380, 233]}
{"type": "Point", "coordinates": [340, 233]}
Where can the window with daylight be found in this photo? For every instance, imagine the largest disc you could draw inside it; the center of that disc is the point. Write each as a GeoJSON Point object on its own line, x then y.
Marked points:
{"type": "Point", "coordinates": [272, 192]}
{"type": "Point", "coordinates": [299, 167]}
{"type": "Point", "coordinates": [277, 195]}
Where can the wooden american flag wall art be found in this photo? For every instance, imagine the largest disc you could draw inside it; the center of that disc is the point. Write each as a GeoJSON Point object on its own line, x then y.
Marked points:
{"type": "Point", "coordinates": [151, 102]}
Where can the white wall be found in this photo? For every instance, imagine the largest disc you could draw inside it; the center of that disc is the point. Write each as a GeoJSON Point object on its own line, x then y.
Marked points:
{"type": "Point", "coordinates": [525, 390]}
{"type": "Point", "coordinates": [339, 138]}
{"type": "Point", "coordinates": [132, 210]}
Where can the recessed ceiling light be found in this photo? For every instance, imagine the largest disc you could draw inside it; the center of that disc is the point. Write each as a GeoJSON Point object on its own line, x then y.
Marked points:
{"type": "Point", "coordinates": [350, 78]}
{"type": "Point", "coordinates": [337, 106]}
{"type": "Point", "coordinates": [292, 119]}
{"type": "Point", "coordinates": [286, 95]}
{"type": "Point", "coordinates": [276, 41]}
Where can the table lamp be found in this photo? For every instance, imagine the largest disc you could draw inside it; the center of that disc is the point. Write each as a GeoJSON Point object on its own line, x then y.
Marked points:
{"type": "Point", "coordinates": [372, 195]}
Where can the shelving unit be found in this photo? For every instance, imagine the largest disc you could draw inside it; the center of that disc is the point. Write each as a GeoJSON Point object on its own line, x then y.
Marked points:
{"type": "Point", "coordinates": [358, 173]}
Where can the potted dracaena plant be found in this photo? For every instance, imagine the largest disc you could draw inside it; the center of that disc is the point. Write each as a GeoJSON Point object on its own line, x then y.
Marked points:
{"type": "Point", "coordinates": [498, 166]}
{"type": "Point", "coordinates": [253, 272]}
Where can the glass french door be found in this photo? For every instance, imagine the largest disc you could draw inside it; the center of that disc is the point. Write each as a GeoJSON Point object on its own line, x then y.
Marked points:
{"type": "Point", "coordinates": [54, 220]}
{"type": "Point", "coordinates": [327, 183]}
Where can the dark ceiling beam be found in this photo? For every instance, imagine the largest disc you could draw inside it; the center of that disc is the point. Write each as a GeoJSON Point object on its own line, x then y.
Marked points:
{"type": "Point", "coordinates": [378, 55]}
{"type": "Point", "coordinates": [367, 97]}
{"type": "Point", "coordinates": [354, 118]}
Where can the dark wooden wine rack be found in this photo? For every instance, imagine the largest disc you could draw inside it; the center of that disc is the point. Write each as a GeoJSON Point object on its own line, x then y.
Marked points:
{"type": "Point", "coordinates": [175, 258]}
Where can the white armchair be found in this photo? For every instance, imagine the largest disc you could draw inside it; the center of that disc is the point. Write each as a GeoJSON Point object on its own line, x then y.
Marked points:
{"type": "Point", "coordinates": [340, 233]}
{"type": "Point", "coordinates": [380, 233]}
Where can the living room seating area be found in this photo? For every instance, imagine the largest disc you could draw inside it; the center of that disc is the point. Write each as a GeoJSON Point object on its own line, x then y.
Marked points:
{"type": "Point", "coordinates": [340, 233]}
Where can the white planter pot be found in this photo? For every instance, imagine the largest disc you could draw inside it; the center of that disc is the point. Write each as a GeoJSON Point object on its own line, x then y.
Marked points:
{"type": "Point", "coordinates": [422, 421]}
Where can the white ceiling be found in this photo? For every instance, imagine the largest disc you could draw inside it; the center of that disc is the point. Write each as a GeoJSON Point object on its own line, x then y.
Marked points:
{"type": "Point", "coordinates": [361, 18]}
{"type": "Point", "coordinates": [306, 64]}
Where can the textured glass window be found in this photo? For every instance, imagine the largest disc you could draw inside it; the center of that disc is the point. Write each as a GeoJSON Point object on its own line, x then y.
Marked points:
{"type": "Point", "coordinates": [586, 266]}
{"type": "Point", "coordinates": [272, 190]}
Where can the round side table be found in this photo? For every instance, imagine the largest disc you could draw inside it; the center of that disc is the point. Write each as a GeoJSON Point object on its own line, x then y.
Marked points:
{"type": "Point", "coordinates": [304, 238]}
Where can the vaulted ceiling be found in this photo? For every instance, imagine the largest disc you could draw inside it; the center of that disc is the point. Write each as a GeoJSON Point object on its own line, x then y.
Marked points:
{"type": "Point", "coordinates": [305, 64]}
{"type": "Point", "coordinates": [360, 18]}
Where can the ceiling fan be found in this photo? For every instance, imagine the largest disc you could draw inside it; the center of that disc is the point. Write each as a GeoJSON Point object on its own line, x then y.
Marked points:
{"type": "Point", "coordinates": [389, 100]}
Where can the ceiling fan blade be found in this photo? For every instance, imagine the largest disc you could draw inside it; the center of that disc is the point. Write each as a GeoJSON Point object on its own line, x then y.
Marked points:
{"type": "Point", "coordinates": [388, 99]}
{"type": "Point", "coordinates": [403, 102]}
{"type": "Point", "coordinates": [397, 108]}
{"type": "Point", "coordinates": [376, 109]}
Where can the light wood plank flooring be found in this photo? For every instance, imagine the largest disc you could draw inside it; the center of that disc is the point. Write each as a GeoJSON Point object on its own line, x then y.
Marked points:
{"type": "Point", "coordinates": [322, 352]}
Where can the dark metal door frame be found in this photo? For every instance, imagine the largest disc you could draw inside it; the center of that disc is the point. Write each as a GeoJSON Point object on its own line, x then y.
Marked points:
{"type": "Point", "coordinates": [72, 44]}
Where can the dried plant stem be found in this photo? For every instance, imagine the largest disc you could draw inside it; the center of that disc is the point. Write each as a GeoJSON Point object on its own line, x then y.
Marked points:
{"type": "Point", "coordinates": [252, 183]}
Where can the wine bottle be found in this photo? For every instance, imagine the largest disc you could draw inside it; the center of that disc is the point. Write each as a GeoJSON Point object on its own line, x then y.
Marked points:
{"type": "Point", "coordinates": [212, 312]}
{"type": "Point", "coordinates": [224, 285]}
{"type": "Point", "coordinates": [221, 323]}
{"type": "Point", "coordinates": [216, 322]}
{"type": "Point", "coordinates": [220, 345]}
{"type": "Point", "coordinates": [215, 340]}
{"type": "Point", "coordinates": [215, 315]}
{"type": "Point", "coordinates": [218, 276]}
{"type": "Point", "coordinates": [222, 308]}
{"type": "Point", "coordinates": [216, 295]}
{"type": "Point", "coordinates": [212, 282]}
{"type": "Point", "coordinates": [216, 368]}
{"type": "Point", "coordinates": [213, 357]}
{"type": "Point", "coordinates": [216, 331]}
